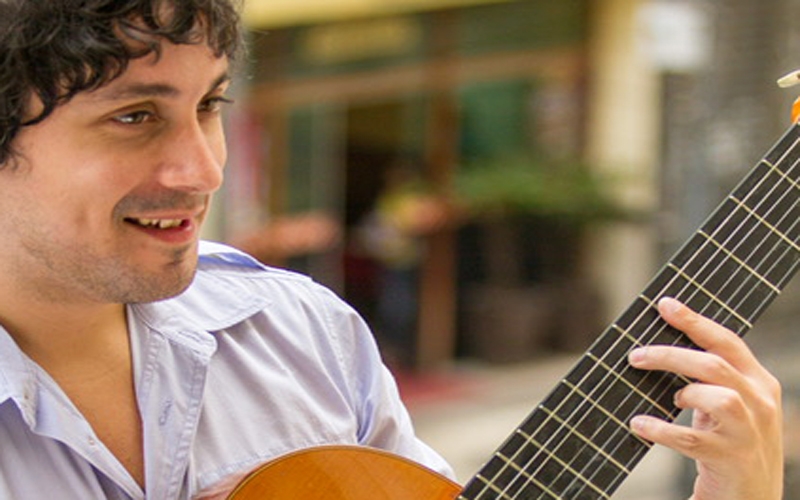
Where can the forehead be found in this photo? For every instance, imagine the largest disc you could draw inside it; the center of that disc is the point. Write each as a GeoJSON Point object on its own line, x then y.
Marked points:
{"type": "Point", "coordinates": [174, 70]}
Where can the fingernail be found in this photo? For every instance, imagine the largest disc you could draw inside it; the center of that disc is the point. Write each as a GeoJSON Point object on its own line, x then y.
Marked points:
{"type": "Point", "coordinates": [636, 356]}
{"type": "Point", "coordinates": [638, 423]}
{"type": "Point", "coordinates": [676, 398]}
{"type": "Point", "coordinates": [669, 305]}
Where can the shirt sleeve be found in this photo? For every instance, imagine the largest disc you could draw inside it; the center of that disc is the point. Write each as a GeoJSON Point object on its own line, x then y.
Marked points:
{"type": "Point", "coordinates": [384, 421]}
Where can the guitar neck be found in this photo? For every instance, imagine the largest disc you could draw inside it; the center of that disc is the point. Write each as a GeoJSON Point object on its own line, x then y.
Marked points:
{"type": "Point", "coordinates": [576, 443]}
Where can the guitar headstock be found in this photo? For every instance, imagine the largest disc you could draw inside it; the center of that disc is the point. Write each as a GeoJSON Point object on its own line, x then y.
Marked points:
{"type": "Point", "coordinates": [790, 80]}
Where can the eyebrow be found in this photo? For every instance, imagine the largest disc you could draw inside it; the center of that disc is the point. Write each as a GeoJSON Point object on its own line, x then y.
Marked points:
{"type": "Point", "coordinates": [150, 90]}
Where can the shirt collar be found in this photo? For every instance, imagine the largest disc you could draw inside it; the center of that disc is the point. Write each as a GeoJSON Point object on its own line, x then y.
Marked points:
{"type": "Point", "coordinates": [220, 296]}
{"type": "Point", "coordinates": [17, 376]}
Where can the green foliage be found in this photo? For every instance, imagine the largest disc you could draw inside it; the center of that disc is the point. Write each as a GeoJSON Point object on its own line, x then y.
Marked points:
{"type": "Point", "coordinates": [524, 184]}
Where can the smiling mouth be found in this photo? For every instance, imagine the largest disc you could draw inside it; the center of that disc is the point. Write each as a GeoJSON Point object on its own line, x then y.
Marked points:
{"type": "Point", "coordinates": [158, 223]}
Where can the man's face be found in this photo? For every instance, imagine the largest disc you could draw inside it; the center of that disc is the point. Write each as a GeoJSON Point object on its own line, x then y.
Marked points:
{"type": "Point", "coordinates": [111, 189]}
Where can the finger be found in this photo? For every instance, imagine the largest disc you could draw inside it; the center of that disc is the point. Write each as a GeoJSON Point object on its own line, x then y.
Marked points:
{"type": "Point", "coordinates": [761, 394]}
{"type": "Point", "coordinates": [694, 443]}
{"type": "Point", "coordinates": [690, 363]}
{"type": "Point", "coordinates": [707, 334]}
{"type": "Point", "coordinates": [720, 409]}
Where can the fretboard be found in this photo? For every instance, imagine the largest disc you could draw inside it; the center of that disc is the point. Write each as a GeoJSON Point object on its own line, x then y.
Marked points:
{"type": "Point", "coordinates": [577, 444]}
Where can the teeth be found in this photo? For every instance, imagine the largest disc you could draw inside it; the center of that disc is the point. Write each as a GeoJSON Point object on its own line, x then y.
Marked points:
{"type": "Point", "coordinates": [160, 223]}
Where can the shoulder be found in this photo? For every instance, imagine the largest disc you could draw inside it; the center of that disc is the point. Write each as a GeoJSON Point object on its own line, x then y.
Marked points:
{"type": "Point", "coordinates": [220, 260]}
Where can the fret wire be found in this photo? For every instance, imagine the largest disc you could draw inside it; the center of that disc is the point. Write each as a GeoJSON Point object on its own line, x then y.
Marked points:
{"type": "Point", "coordinates": [739, 261]}
{"type": "Point", "coordinates": [773, 257]}
{"type": "Point", "coordinates": [718, 244]}
{"type": "Point", "coordinates": [787, 251]}
{"type": "Point", "coordinates": [783, 149]}
{"type": "Point", "coordinates": [773, 227]}
{"type": "Point", "coordinates": [624, 332]}
{"type": "Point", "coordinates": [740, 222]}
{"type": "Point", "coordinates": [784, 252]}
{"type": "Point", "coordinates": [721, 247]}
{"type": "Point", "coordinates": [754, 252]}
{"type": "Point", "coordinates": [709, 294]}
{"type": "Point", "coordinates": [781, 173]}
{"type": "Point", "coordinates": [489, 484]}
{"type": "Point", "coordinates": [643, 395]}
{"type": "Point", "coordinates": [620, 425]}
{"type": "Point", "coordinates": [576, 443]}
{"type": "Point", "coordinates": [575, 389]}
{"type": "Point", "coordinates": [787, 255]}
{"type": "Point", "coordinates": [725, 277]}
{"type": "Point", "coordinates": [583, 438]}
{"type": "Point", "coordinates": [766, 223]}
{"type": "Point", "coordinates": [565, 466]}
{"type": "Point", "coordinates": [794, 184]}
{"type": "Point", "coordinates": [773, 171]}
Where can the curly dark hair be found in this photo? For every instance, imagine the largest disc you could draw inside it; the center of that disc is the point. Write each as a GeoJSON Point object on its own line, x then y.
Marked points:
{"type": "Point", "coordinates": [55, 49]}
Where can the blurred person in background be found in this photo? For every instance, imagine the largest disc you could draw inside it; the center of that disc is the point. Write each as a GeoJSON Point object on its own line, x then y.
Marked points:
{"type": "Point", "coordinates": [393, 235]}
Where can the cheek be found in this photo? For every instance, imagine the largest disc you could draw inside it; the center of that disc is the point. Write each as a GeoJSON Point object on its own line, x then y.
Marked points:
{"type": "Point", "coordinates": [82, 200]}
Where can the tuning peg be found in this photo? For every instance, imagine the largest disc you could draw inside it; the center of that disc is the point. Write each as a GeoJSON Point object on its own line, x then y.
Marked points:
{"type": "Point", "coordinates": [789, 80]}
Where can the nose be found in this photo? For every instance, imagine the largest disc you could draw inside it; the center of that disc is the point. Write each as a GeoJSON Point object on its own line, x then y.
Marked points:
{"type": "Point", "coordinates": [194, 160]}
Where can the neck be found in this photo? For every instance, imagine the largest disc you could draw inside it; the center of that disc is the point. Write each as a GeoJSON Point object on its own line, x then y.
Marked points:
{"type": "Point", "coordinates": [85, 347]}
{"type": "Point", "coordinates": [58, 332]}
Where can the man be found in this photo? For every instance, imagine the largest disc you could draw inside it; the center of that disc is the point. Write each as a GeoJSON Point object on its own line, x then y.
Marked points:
{"type": "Point", "coordinates": [138, 363]}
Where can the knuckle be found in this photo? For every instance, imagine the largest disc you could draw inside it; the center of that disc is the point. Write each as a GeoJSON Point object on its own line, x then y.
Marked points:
{"type": "Point", "coordinates": [714, 367]}
{"type": "Point", "coordinates": [688, 442]}
{"type": "Point", "coordinates": [769, 406]}
{"type": "Point", "coordinates": [774, 387]}
{"type": "Point", "coordinates": [731, 403]}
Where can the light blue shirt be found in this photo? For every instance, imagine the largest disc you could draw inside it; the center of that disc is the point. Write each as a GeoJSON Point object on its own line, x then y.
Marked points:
{"type": "Point", "coordinates": [246, 365]}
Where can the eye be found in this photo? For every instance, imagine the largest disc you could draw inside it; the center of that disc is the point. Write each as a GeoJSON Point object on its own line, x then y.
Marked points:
{"type": "Point", "coordinates": [134, 117]}
{"type": "Point", "coordinates": [214, 104]}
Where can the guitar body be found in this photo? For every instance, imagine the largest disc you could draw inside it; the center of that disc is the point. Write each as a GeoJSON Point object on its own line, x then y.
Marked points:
{"type": "Point", "coordinates": [344, 473]}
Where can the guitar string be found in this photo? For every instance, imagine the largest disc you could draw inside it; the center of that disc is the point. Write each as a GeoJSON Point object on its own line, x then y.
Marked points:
{"type": "Point", "coordinates": [562, 441]}
{"type": "Point", "coordinates": [783, 178]}
{"type": "Point", "coordinates": [607, 375]}
{"type": "Point", "coordinates": [772, 261]}
{"type": "Point", "coordinates": [771, 170]}
{"type": "Point", "coordinates": [712, 275]}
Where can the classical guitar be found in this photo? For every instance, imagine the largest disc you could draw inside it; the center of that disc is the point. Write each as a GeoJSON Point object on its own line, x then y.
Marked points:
{"type": "Point", "coordinates": [576, 444]}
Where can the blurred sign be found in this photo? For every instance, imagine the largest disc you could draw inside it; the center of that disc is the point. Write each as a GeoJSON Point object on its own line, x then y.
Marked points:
{"type": "Point", "coordinates": [275, 13]}
{"type": "Point", "coordinates": [675, 36]}
{"type": "Point", "coordinates": [346, 42]}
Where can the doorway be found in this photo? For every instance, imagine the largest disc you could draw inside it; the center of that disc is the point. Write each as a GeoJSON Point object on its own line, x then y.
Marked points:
{"type": "Point", "coordinates": [383, 158]}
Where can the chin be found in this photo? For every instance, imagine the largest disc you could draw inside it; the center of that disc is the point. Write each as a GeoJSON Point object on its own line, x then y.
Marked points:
{"type": "Point", "coordinates": [162, 285]}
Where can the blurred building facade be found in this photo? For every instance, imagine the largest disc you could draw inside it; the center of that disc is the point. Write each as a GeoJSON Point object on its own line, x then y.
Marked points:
{"type": "Point", "coordinates": [671, 100]}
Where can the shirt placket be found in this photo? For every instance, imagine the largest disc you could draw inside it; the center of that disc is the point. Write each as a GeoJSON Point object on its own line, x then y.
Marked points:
{"type": "Point", "coordinates": [171, 395]}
